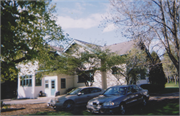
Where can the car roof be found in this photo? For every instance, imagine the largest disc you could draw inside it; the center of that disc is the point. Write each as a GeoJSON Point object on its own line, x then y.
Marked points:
{"type": "Point", "coordinates": [88, 87]}
{"type": "Point", "coordinates": [122, 85]}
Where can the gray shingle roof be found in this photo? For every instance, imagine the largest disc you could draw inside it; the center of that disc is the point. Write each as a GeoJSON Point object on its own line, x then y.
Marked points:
{"type": "Point", "coordinates": [121, 48]}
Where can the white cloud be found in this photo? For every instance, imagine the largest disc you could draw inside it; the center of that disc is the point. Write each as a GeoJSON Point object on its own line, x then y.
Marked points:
{"type": "Point", "coordinates": [84, 23]}
{"type": "Point", "coordinates": [109, 27]}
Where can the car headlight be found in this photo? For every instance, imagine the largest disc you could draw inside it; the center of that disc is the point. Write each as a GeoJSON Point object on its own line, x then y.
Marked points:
{"type": "Point", "coordinates": [90, 103]}
{"type": "Point", "coordinates": [57, 100]}
{"type": "Point", "coordinates": [108, 103]}
{"type": "Point", "coordinates": [145, 92]}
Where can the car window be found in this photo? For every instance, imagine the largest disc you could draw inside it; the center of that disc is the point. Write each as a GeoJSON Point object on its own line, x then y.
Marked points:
{"type": "Point", "coordinates": [136, 87]}
{"type": "Point", "coordinates": [129, 89]}
{"type": "Point", "coordinates": [115, 91]}
{"type": "Point", "coordinates": [85, 91]}
{"type": "Point", "coordinates": [94, 90]}
{"type": "Point", "coordinates": [74, 91]}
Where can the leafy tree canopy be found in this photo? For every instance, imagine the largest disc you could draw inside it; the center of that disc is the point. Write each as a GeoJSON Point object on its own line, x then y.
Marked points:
{"type": "Point", "coordinates": [27, 28]}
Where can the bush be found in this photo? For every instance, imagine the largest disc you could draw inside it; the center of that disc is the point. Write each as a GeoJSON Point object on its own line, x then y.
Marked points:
{"type": "Point", "coordinates": [152, 88]}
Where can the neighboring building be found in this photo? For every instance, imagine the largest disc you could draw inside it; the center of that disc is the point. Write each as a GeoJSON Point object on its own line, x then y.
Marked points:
{"type": "Point", "coordinates": [29, 85]}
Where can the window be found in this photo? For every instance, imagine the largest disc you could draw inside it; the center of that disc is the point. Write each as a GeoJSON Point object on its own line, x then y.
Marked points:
{"type": "Point", "coordinates": [63, 83]}
{"type": "Point", "coordinates": [38, 80]}
{"type": "Point", "coordinates": [114, 70]}
{"type": "Point", "coordinates": [129, 89]}
{"type": "Point", "coordinates": [52, 85]}
{"type": "Point", "coordinates": [26, 80]}
{"type": "Point", "coordinates": [136, 87]}
{"type": "Point", "coordinates": [86, 76]}
{"type": "Point", "coordinates": [81, 79]}
{"type": "Point", "coordinates": [46, 84]}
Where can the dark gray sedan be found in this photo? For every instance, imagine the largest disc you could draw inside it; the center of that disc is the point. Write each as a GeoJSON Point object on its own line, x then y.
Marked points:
{"type": "Point", "coordinates": [117, 99]}
{"type": "Point", "coordinates": [78, 96]}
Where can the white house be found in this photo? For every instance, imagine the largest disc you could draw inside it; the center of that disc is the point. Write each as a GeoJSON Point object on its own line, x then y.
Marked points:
{"type": "Point", "coordinates": [29, 85]}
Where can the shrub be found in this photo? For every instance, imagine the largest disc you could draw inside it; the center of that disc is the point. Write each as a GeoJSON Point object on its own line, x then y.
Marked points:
{"type": "Point", "coordinates": [152, 88]}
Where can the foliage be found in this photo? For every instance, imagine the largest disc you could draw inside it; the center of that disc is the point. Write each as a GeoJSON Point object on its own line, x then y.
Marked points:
{"type": "Point", "coordinates": [135, 66]}
{"type": "Point", "coordinates": [27, 27]}
{"type": "Point", "coordinates": [156, 73]}
{"type": "Point", "coordinates": [169, 68]}
{"type": "Point", "coordinates": [150, 20]}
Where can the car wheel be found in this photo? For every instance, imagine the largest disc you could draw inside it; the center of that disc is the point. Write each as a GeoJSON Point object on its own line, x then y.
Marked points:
{"type": "Point", "coordinates": [144, 102]}
{"type": "Point", "coordinates": [69, 105]}
{"type": "Point", "coordinates": [122, 109]}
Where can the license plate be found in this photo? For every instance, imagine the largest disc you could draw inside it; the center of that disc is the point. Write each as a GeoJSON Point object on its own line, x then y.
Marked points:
{"type": "Point", "coordinates": [96, 111]}
{"type": "Point", "coordinates": [98, 107]}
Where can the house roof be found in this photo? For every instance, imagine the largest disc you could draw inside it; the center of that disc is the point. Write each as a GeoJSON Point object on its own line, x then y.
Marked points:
{"type": "Point", "coordinates": [118, 48]}
{"type": "Point", "coordinates": [55, 48]}
{"type": "Point", "coordinates": [121, 48]}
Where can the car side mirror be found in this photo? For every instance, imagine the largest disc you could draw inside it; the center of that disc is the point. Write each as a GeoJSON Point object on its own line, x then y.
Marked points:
{"type": "Point", "coordinates": [79, 94]}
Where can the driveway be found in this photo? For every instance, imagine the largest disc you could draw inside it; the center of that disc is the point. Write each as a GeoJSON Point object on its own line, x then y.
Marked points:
{"type": "Point", "coordinates": [46, 99]}
{"type": "Point", "coordinates": [27, 101]}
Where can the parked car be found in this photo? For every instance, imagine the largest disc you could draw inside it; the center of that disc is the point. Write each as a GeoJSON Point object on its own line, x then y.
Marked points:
{"type": "Point", "coordinates": [77, 96]}
{"type": "Point", "coordinates": [117, 99]}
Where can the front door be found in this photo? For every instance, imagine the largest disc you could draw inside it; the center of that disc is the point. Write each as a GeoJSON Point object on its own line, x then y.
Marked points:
{"type": "Point", "coordinates": [53, 88]}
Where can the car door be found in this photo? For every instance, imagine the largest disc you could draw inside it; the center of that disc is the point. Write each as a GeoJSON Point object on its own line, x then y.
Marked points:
{"type": "Point", "coordinates": [137, 94]}
{"type": "Point", "coordinates": [83, 97]}
{"type": "Point", "coordinates": [129, 96]}
{"type": "Point", "coordinates": [94, 92]}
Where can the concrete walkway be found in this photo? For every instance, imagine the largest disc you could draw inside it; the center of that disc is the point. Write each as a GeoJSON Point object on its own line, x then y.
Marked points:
{"type": "Point", "coordinates": [27, 101]}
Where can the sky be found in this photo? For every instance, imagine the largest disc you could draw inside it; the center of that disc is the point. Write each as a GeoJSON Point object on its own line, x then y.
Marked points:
{"type": "Point", "coordinates": [85, 20]}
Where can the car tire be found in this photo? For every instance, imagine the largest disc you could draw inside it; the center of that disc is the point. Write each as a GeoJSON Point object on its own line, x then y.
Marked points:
{"type": "Point", "coordinates": [68, 105]}
{"type": "Point", "coordinates": [144, 102]}
{"type": "Point", "coordinates": [122, 108]}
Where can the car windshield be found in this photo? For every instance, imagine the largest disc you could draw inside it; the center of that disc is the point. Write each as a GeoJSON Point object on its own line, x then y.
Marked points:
{"type": "Point", "coordinates": [115, 91]}
{"type": "Point", "coordinates": [74, 91]}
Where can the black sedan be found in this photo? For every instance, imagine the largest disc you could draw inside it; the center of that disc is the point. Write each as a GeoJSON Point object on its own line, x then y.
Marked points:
{"type": "Point", "coordinates": [117, 99]}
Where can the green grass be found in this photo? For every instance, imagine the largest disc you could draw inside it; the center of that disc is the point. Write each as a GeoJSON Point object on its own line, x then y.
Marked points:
{"type": "Point", "coordinates": [159, 108]}
{"type": "Point", "coordinates": [172, 85]}
{"type": "Point", "coordinates": [170, 88]}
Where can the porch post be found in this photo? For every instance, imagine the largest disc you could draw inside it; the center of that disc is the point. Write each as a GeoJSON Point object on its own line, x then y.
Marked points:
{"type": "Point", "coordinates": [103, 75]}
{"type": "Point", "coordinates": [104, 81]}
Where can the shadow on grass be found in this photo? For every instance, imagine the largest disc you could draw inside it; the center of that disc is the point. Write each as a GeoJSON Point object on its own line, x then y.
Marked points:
{"type": "Point", "coordinates": [165, 91]}
{"type": "Point", "coordinates": [163, 107]}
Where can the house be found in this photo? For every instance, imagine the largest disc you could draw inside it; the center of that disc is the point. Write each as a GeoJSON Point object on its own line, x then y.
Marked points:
{"type": "Point", "coordinates": [29, 85]}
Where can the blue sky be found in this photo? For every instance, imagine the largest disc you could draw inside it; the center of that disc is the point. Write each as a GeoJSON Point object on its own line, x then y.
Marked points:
{"type": "Point", "coordinates": [85, 20]}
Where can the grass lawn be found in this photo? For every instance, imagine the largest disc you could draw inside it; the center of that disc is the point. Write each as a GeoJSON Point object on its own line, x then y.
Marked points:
{"type": "Point", "coordinates": [164, 107]}
{"type": "Point", "coordinates": [172, 85]}
{"type": "Point", "coordinates": [170, 88]}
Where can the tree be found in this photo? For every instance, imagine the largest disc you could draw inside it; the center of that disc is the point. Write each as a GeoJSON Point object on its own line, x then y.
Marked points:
{"type": "Point", "coordinates": [169, 68]}
{"type": "Point", "coordinates": [135, 66]}
{"type": "Point", "coordinates": [150, 20]}
{"type": "Point", "coordinates": [156, 73]}
{"type": "Point", "coordinates": [27, 28]}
